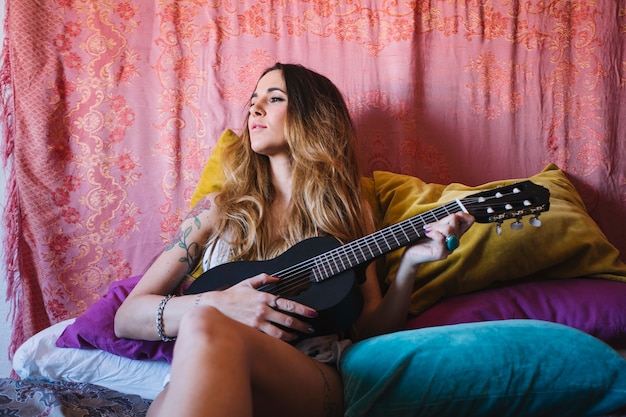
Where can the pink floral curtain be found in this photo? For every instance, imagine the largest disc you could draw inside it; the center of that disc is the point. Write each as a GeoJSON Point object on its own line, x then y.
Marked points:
{"type": "Point", "coordinates": [112, 107]}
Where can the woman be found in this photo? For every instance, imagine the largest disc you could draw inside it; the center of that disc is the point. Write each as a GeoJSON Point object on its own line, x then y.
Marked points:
{"type": "Point", "coordinates": [292, 176]}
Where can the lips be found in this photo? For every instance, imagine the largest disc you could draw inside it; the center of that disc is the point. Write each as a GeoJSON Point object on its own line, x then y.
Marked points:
{"type": "Point", "coordinates": [256, 126]}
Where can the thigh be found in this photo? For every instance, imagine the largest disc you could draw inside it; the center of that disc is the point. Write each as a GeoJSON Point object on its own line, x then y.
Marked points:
{"type": "Point", "coordinates": [286, 382]}
{"type": "Point", "coordinates": [228, 363]}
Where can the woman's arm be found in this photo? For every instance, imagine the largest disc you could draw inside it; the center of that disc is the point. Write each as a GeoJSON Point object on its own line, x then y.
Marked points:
{"type": "Point", "coordinates": [386, 314]}
{"type": "Point", "coordinates": [137, 316]}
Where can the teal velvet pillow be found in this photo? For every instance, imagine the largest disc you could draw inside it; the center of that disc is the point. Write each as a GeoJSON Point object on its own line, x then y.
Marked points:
{"type": "Point", "coordinates": [503, 368]}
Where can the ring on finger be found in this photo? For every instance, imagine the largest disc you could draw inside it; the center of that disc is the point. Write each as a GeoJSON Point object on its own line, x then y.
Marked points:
{"type": "Point", "coordinates": [452, 242]}
{"type": "Point", "coordinates": [275, 302]}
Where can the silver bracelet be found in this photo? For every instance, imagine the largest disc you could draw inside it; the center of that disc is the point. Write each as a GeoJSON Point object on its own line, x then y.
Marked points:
{"type": "Point", "coordinates": [159, 319]}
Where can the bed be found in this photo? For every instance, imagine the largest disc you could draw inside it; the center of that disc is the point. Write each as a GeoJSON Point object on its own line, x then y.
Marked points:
{"type": "Point", "coordinates": [111, 112]}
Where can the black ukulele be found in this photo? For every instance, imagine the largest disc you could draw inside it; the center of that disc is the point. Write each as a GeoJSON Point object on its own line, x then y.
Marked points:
{"type": "Point", "coordinates": [305, 270]}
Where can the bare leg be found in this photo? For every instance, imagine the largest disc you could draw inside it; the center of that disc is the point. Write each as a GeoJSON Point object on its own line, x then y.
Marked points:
{"type": "Point", "coordinates": [224, 368]}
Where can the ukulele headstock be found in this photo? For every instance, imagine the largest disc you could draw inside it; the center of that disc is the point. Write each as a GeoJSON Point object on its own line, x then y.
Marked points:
{"type": "Point", "coordinates": [509, 202]}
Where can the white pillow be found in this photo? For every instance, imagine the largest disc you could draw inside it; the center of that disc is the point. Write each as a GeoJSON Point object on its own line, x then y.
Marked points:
{"type": "Point", "coordinates": [40, 358]}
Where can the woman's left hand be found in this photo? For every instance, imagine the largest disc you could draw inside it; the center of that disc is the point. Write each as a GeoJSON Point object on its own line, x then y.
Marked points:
{"type": "Point", "coordinates": [389, 313]}
{"type": "Point", "coordinates": [442, 238]}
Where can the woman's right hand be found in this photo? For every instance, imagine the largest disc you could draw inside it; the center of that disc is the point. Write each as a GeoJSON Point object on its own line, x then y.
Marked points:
{"type": "Point", "coordinates": [264, 311]}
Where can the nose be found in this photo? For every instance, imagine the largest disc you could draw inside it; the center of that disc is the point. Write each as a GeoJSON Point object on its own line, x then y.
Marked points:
{"type": "Point", "coordinates": [256, 110]}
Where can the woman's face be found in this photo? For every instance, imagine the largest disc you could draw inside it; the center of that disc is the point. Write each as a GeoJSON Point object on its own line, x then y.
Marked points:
{"type": "Point", "coordinates": [268, 111]}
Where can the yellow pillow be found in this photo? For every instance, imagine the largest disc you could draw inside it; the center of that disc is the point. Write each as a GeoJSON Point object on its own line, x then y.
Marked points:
{"type": "Point", "coordinates": [568, 244]}
{"type": "Point", "coordinates": [212, 177]}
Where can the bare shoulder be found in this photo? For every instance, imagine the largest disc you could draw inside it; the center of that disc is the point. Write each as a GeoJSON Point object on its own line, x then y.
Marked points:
{"type": "Point", "coordinates": [197, 224]}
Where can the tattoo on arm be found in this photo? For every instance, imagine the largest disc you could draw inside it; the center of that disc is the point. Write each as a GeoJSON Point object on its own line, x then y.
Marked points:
{"type": "Point", "coordinates": [202, 205]}
{"type": "Point", "coordinates": [192, 249]}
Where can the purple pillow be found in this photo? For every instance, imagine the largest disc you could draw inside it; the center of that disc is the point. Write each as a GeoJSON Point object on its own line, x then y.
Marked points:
{"type": "Point", "coordinates": [595, 306]}
{"type": "Point", "coordinates": [94, 329]}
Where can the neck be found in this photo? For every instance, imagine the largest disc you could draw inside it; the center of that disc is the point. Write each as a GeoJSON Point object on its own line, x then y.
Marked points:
{"type": "Point", "coordinates": [282, 175]}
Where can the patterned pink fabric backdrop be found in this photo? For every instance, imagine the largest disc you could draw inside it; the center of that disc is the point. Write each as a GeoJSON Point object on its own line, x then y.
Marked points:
{"type": "Point", "coordinates": [112, 108]}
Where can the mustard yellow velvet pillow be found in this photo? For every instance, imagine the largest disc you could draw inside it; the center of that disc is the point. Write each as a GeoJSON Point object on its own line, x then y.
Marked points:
{"type": "Point", "coordinates": [212, 176]}
{"type": "Point", "coordinates": [569, 243]}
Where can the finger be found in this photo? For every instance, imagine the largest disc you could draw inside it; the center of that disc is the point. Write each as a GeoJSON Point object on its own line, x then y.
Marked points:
{"type": "Point", "coordinates": [290, 323]}
{"type": "Point", "coordinates": [438, 232]}
{"type": "Point", "coordinates": [259, 280]}
{"type": "Point", "coordinates": [464, 221]}
{"type": "Point", "coordinates": [292, 307]}
{"type": "Point", "coordinates": [273, 329]}
{"type": "Point", "coordinates": [467, 222]}
{"type": "Point", "coordinates": [459, 224]}
{"type": "Point", "coordinates": [454, 224]}
{"type": "Point", "coordinates": [441, 249]}
{"type": "Point", "coordinates": [278, 302]}
{"type": "Point", "coordinates": [282, 325]}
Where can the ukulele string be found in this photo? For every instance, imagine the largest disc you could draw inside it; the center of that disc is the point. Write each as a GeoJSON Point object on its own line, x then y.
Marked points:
{"type": "Point", "coordinates": [335, 260]}
{"type": "Point", "coordinates": [298, 276]}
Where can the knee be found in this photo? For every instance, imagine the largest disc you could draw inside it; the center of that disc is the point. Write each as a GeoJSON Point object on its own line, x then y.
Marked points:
{"type": "Point", "coordinates": [207, 333]}
{"type": "Point", "coordinates": [211, 328]}
{"type": "Point", "coordinates": [203, 321]}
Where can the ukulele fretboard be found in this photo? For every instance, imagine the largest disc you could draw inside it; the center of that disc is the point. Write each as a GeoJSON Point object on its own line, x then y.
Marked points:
{"type": "Point", "coordinates": [383, 241]}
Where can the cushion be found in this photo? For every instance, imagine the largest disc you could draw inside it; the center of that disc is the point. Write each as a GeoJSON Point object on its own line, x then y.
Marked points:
{"type": "Point", "coordinates": [94, 329]}
{"type": "Point", "coordinates": [212, 176]}
{"type": "Point", "coordinates": [595, 306]}
{"type": "Point", "coordinates": [569, 244]}
{"type": "Point", "coordinates": [502, 368]}
{"type": "Point", "coordinates": [483, 260]}
{"type": "Point", "coordinates": [40, 358]}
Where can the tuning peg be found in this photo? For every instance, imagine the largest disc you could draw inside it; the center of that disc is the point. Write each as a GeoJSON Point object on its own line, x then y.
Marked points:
{"type": "Point", "coordinates": [534, 221]}
{"type": "Point", "coordinates": [517, 224]}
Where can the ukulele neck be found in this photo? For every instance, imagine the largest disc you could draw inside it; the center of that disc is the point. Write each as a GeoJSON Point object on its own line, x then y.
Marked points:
{"type": "Point", "coordinates": [379, 243]}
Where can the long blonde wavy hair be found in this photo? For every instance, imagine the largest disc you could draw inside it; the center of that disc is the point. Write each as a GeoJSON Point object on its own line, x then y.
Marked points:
{"type": "Point", "coordinates": [326, 192]}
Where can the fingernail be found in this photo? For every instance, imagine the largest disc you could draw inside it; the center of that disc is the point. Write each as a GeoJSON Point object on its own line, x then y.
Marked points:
{"type": "Point", "coordinates": [312, 313]}
{"type": "Point", "coordinates": [311, 329]}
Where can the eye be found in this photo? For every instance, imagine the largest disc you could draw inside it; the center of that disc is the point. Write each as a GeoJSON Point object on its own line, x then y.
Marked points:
{"type": "Point", "coordinates": [276, 99]}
